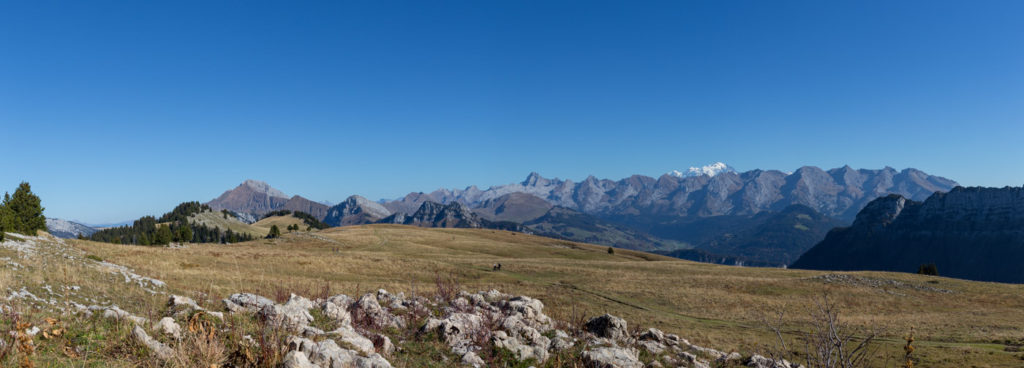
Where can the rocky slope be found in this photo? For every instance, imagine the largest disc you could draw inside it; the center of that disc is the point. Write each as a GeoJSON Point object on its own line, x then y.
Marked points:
{"type": "Point", "coordinates": [971, 233]}
{"type": "Point", "coordinates": [252, 196]}
{"type": "Point", "coordinates": [774, 239]}
{"type": "Point", "coordinates": [355, 210]}
{"type": "Point", "coordinates": [67, 229]}
{"type": "Point", "coordinates": [452, 215]}
{"type": "Point", "coordinates": [515, 207]}
{"type": "Point", "coordinates": [300, 204]}
{"type": "Point", "coordinates": [564, 223]}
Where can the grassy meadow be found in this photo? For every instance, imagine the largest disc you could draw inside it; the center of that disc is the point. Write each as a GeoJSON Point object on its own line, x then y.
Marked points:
{"type": "Point", "coordinates": [956, 323]}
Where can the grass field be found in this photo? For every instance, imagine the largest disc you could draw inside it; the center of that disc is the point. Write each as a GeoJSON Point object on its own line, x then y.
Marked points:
{"type": "Point", "coordinates": [956, 323]}
{"type": "Point", "coordinates": [282, 223]}
{"type": "Point", "coordinates": [217, 219]}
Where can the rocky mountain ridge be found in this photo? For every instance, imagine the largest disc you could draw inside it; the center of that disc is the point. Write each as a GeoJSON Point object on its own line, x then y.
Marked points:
{"type": "Point", "coordinates": [972, 233]}
{"type": "Point", "coordinates": [839, 192]}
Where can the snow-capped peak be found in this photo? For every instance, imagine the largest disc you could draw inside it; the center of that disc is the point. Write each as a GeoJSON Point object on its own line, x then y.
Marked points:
{"type": "Point", "coordinates": [709, 170]}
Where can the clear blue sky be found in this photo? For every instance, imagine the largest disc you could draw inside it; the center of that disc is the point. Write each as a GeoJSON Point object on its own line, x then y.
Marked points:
{"type": "Point", "coordinates": [112, 110]}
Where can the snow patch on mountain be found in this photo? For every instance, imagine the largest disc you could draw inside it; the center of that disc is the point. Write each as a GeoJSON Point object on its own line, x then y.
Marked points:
{"type": "Point", "coordinates": [709, 170]}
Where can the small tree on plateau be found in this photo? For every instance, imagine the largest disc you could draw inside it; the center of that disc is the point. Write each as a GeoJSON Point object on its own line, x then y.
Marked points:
{"type": "Point", "coordinates": [611, 250]}
{"type": "Point", "coordinates": [23, 212]}
{"type": "Point", "coordinates": [928, 269]}
{"type": "Point", "coordinates": [185, 234]}
{"type": "Point", "coordinates": [275, 232]}
{"type": "Point", "coordinates": [163, 236]}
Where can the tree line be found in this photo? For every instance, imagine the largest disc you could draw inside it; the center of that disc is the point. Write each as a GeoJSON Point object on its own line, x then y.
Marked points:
{"type": "Point", "coordinates": [173, 226]}
{"type": "Point", "coordinates": [21, 213]}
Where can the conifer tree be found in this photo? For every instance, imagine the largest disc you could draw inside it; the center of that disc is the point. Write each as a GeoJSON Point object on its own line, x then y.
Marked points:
{"type": "Point", "coordinates": [275, 232]}
{"type": "Point", "coordinates": [22, 212]}
{"type": "Point", "coordinates": [163, 235]}
{"type": "Point", "coordinates": [185, 234]}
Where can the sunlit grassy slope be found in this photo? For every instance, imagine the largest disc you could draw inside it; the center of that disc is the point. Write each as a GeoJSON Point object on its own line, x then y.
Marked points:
{"type": "Point", "coordinates": [957, 323]}
{"type": "Point", "coordinates": [282, 223]}
{"type": "Point", "coordinates": [217, 219]}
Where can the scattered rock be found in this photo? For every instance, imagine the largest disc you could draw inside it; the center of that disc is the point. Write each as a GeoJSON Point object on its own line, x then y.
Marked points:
{"type": "Point", "coordinates": [523, 350]}
{"type": "Point", "coordinates": [245, 302]}
{"type": "Point", "coordinates": [607, 326]}
{"type": "Point", "coordinates": [611, 357]}
{"type": "Point", "coordinates": [473, 360]}
{"type": "Point", "coordinates": [161, 350]}
{"type": "Point", "coordinates": [296, 359]}
{"type": "Point", "coordinates": [336, 308]}
{"type": "Point", "coordinates": [168, 327]}
{"type": "Point", "coordinates": [368, 310]}
{"type": "Point", "coordinates": [293, 315]}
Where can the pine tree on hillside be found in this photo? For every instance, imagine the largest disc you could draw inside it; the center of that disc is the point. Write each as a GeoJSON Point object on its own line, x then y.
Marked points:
{"type": "Point", "coordinates": [6, 215]}
{"type": "Point", "coordinates": [274, 232]}
{"type": "Point", "coordinates": [22, 212]}
{"type": "Point", "coordinates": [163, 236]}
{"type": "Point", "coordinates": [184, 234]}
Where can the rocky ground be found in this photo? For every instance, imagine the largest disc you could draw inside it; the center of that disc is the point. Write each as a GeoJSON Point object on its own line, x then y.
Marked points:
{"type": "Point", "coordinates": [119, 317]}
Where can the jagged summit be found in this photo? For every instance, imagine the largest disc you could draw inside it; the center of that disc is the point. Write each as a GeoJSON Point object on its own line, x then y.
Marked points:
{"type": "Point", "coordinates": [263, 187]}
{"type": "Point", "coordinates": [254, 197]}
{"type": "Point", "coordinates": [708, 170]}
{"type": "Point", "coordinates": [355, 210]}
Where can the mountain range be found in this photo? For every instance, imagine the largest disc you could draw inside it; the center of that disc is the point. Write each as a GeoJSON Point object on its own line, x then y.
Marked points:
{"type": "Point", "coordinates": [764, 217]}
{"type": "Point", "coordinates": [971, 233]}
{"type": "Point", "coordinates": [838, 193]}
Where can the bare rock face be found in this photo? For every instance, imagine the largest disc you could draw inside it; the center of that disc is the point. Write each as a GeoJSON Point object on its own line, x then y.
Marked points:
{"type": "Point", "coordinates": [355, 210]}
{"type": "Point", "coordinates": [252, 196]}
{"type": "Point", "coordinates": [969, 233]}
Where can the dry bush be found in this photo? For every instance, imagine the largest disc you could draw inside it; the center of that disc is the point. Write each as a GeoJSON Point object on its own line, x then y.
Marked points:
{"type": "Point", "coordinates": [447, 287]}
{"type": "Point", "coordinates": [827, 341]}
{"type": "Point", "coordinates": [7, 334]}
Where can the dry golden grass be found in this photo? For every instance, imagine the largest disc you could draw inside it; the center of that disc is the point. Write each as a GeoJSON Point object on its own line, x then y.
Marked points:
{"type": "Point", "coordinates": [282, 223]}
{"type": "Point", "coordinates": [214, 218]}
{"type": "Point", "coordinates": [717, 306]}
